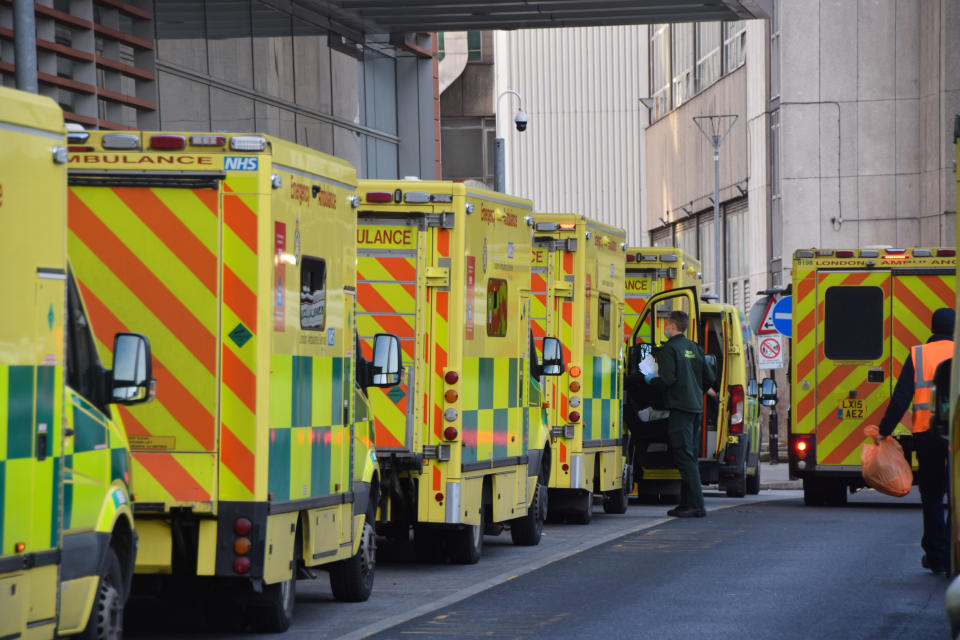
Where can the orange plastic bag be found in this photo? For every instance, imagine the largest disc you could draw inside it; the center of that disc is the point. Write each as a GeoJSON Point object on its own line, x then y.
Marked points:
{"type": "Point", "coordinates": [884, 466]}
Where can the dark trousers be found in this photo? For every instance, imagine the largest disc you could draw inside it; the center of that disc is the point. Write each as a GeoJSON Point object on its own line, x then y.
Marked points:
{"type": "Point", "coordinates": [931, 451]}
{"type": "Point", "coordinates": [683, 430]}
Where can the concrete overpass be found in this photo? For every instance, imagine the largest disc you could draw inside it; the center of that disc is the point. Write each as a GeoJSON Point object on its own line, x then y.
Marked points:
{"type": "Point", "coordinates": [398, 16]}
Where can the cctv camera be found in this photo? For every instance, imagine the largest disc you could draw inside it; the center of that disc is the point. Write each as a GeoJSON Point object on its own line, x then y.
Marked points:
{"type": "Point", "coordinates": [521, 121]}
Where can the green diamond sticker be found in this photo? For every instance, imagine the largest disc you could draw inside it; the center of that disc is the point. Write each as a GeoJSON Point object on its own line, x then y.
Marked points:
{"type": "Point", "coordinates": [396, 394]}
{"type": "Point", "coordinates": [240, 335]}
{"type": "Point", "coordinates": [50, 318]}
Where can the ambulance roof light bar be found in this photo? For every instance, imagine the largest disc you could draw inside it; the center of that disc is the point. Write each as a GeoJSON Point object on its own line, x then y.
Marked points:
{"type": "Point", "coordinates": [869, 253]}
{"type": "Point", "coordinates": [208, 141]}
{"type": "Point", "coordinates": [844, 253]}
{"type": "Point", "coordinates": [121, 141]}
{"type": "Point", "coordinates": [168, 141]}
{"type": "Point", "coordinates": [946, 253]}
{"type": "Point", "coordinates": [669, 257]}
{"type": "Point", "coordinates": [379, 196]}
{"type": "Point", "coordinates": [922, 253]}
{"type": "Point", "coordinates": [248, 143]}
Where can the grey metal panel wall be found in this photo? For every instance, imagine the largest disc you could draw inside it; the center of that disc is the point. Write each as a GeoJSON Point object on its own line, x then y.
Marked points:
{"type": "Point", "coordinates": [581, 152]}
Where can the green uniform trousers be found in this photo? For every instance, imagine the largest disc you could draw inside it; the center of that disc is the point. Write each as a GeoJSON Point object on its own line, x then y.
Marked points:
{"type": "Point", "coordinates": [683, 438]}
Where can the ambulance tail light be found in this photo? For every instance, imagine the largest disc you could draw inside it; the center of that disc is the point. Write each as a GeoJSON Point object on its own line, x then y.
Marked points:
{"type": "Point", "coordinates": [631, 257]}
{"type": "Point", "coordinates": [845, 253]}
{"type": "Point", "coordinates": [248, 143]}
{"type": "Point", "coordinates": [736, 408]}
{"type": "Point", "coordinates": [379, 196]}
{"type": "Point", "coordinates": [242, 526]}
{"type": "Point", "coordinates": [208, 141]}
{"type": "Point", "coordinates": [121, 141]}
{"type": "Point", "coordinates": [946, 253]}
{"type": "Point", "coordinates": [895, 254]}
{"type": "Point", "coordinates": [802, 449]}
{"type": "Point", "coordinates": [567, 226]}
{"type": "Point", "coordinates": [167, 141]}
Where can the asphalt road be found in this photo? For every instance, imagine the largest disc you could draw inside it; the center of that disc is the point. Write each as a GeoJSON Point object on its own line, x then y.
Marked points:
{"type": "Point", "coordinates": [764, 570]}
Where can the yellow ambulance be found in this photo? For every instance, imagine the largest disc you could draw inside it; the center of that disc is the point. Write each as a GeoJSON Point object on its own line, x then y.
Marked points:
{"type": "Point", "coordinates": [577, 284]}
{"type": "Point", "coordinates": [650, 270]}
{"type": "Point", "coordinates": [237, 253]}
{"type": "Point", "coordinates": [856, 314]}
{"type": "Point", "coordinates": [446, 268]}
{"type": "Point", "coordinates": [67, 542]}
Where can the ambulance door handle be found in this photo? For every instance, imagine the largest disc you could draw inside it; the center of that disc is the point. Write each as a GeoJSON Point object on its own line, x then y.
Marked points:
{"type": "Point", "coordinates": [875, 375]}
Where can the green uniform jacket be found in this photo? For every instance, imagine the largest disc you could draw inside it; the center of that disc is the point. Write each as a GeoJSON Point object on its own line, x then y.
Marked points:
{"type": "Point", "coordinates": [684, 374]}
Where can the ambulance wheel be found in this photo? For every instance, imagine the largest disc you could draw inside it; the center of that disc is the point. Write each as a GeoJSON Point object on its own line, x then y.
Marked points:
{"type": "Point", "coordinates": [466, 542]}
{"type": "Point", "coordinates": [737, 486]}
{"type": "Point", "coordinates": [526, 531]}
{"type": "Point", "coordinates": [753, 482]}
{"type": "Point", "coordinates": [616, 501]}
{"type": "Point", "coordinates": [106, 616]}
{"type": "Point", "coordinates": [584, 514]}
{"type": "Point", "coordinates": [352, 580]}
{"type": "Point", "coordinates": [276, 606]}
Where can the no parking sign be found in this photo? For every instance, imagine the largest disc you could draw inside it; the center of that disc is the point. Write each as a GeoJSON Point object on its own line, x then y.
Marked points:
{"type": "Point", "coordinates": [770, 352]}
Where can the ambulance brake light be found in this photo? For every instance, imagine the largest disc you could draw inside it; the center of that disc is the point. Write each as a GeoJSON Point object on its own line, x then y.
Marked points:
{"type": "Point", "coordinates": [167, 141]}
{"type": "Point", "coordinates": [248, 143]}
{"type": "Point", "coordinates": [125, 141]}
{"type": "Point", "coordinates": [208, 141]}
{"type": "Point", "coordinates": [379, 196]}
{"type": "Point", "coordinates": [631, 257]}
{"type": "Point", "coordinates": [802, 445]}
{"type": "Point", "coordinates": [845, 253]}
{"type": "Point", "coordinates": [946, 253]}
{"type": "Point", "coordinates": [736, 408]}
{"type": "Point", "coordinates": [567, 226]}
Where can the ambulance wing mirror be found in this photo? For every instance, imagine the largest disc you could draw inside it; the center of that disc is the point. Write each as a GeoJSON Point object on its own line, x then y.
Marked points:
{"type": "Point", "coordinates": [132, 381]}
{"type": "Point", "coordinates": [387, 365]}
{"type": "Point", "coordinates": [553, 364]}
{"type": "Point", "coordinates": [768, 392]}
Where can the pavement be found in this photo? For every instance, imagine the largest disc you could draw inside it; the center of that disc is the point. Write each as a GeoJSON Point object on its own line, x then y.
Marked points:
{"type": "Point", "coordinates": [777, 476]}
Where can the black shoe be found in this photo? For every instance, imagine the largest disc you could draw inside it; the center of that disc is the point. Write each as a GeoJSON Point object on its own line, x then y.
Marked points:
{"type": "Point", "coordinates": [690, 513]}
{"type": "Point", "coordinates": [673, 512]}
{"type": "Point", "coordinates": [935, 568]}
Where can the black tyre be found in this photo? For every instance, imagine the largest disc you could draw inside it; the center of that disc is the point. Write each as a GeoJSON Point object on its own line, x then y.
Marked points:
{"type": "Point", "coordinates": [106, 616]}
{"type": "Point", "coordinates": [618, 500]}
{"type": "Point", "coordinates": [276, 606]}
{"type": "Point", "coordinates": [527, 531]}
{"type": "Point", "coordinates": [753, 482]}
{"type": "Point", "coordinates": [352, 580]}
{"type": "Point", "coordinates": [465, 543]}
{"type": "Point", "coordinates": [583, 514]}
{"type": "Point", "coordinates": [737, 486]}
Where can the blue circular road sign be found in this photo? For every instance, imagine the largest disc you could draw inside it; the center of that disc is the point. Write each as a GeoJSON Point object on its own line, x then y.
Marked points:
{"type": "Point", "coordinates": [783, 315]}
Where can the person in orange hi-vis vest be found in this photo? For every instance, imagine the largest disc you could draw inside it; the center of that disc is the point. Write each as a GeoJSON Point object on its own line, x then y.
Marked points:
{"type": "Point", "coordinates": [915, 385]}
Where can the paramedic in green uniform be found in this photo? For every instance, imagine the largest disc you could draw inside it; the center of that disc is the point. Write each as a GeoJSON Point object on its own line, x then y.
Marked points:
{"type": "Point", "coordinates": [683, 376]}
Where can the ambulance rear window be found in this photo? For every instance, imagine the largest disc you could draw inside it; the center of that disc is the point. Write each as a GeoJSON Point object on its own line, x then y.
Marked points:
{"type": "Point", "coordinates": [603, 313]}
{"type": "Point", "coordinates": [313, 292]}
{"type": "Point", "coordinates": [496, 308]}
{"type": "Point", "coordinates": [853, 323]}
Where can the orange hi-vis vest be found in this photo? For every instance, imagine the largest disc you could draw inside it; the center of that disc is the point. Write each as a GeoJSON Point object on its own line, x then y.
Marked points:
{"type": "Point", "coordinates": [926, 357]}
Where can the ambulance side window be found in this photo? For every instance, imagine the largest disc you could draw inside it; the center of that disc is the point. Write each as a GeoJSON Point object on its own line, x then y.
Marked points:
{"type": "Point", "coordinates": [313, 292]}
{"type": "Point", "coordinates": [496, 308]}
{"type": "Point", "coordinates": [853, 323]}
{"type": "Point", "coordinates": [84, 372]}
{"type": "Point", "coordinates": [604, 309]}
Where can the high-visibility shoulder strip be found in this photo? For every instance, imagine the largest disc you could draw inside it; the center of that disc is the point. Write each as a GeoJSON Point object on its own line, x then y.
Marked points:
{"type": "Point", "coordinates": [918, 366]}
{"type": "Point", "coordinates": [313, 176]}
{"type": "Point", "coordinates": [33, 131]}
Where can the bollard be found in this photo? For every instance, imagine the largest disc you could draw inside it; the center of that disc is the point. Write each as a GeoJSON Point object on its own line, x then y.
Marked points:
{"type": "Point", "coordinates": [774, 437]}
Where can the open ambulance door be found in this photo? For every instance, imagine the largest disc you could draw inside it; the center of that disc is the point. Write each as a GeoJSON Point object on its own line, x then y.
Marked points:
{"type": "Point", "coordinates": [649, 331]}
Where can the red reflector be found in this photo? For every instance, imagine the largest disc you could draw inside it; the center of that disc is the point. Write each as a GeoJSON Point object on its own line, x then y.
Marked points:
{"type": "Point", "coordinates": [574, 416]}
{"type": "Point", "coordinates": [631, 257]}
{"type": "Point", "coordinates": [451, 377]}
{"type": "Point", "coordinates": [242, 526]}
{"type": "Point", "coordinates": [241, 564]}
{"type": "Point", "coordinates": [439, 496]}
{"type": "Point", "coordinates": [73, 149]}
{"type": "Point", "coordinates": [168, 142]}
{"type": "Point", "coordinates": [845, 254]}
{"type": "Point", "coordinates": [379, 196]}
{"type": "Point", "coordinates": [946, 252]}
{"type": "Point", "coordinates": [19, 547]}
{"type": "Point", "coordinates": [565, 466]}
{"type": "Point", "coordinates": [450, 433]}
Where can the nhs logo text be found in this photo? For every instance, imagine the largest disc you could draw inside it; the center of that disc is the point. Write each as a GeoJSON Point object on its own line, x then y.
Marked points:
{"type": "Point", "coordinates": [240, 163]}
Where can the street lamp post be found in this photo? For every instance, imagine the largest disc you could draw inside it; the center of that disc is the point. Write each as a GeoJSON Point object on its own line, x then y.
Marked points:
{"type": "Point", "coordinates": [499, 161]}
{"type": "Point", "coordinates": [25, 45]}
{"type": "Point", "coordinates": [719, 126]}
